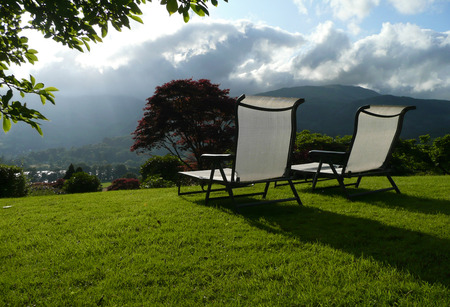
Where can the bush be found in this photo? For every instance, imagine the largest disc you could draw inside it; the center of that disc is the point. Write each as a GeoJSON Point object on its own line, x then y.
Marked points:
{"type": "Point", "coordinates": [409, 156]}
{"type": "Point", "coordinates": [81, 183]}
{"type": "Point", "coordinates": [156, 181]}
{"type": "Point", "coordinates": [166, 167]}
{"type": "Point", "coordinates": [306, 141]}
{"type": "Point", "coordinates": [44, 188]}
{"type": "Point", "coordinates": [124, 184]}
{"type": "Point", "coordinates": [13, 182]}
{"type": "Point", "coordinates": [58, 184]}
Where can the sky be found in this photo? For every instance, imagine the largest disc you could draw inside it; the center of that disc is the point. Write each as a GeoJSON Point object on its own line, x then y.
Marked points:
{"type": "Point", "coordinates": [398, 47]}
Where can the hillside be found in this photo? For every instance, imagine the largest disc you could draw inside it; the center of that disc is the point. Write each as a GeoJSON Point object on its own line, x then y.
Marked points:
{"type": "Point", "coordinates": [331, 110]}
{"type": "Point", "coordinates": [83, 120]}
{"type": "Point", "coordinates": [75, 122]}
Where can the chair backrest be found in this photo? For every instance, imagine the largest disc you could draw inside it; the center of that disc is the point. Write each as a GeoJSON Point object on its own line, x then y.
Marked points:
{"type": "Point", "coordinates": [377, 128]}
{"type": "Point", "coordinates": [266, 129]}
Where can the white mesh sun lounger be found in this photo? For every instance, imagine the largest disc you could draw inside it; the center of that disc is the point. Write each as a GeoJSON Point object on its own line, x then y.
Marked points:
{"type": "Point", "coordinates": [266, 129]}
{"type": "Point", "coordinates": [377, 128]}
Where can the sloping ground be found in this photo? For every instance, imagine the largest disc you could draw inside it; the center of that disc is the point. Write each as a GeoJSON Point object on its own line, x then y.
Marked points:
{"type": "Point", "coordinates": [152, 247]}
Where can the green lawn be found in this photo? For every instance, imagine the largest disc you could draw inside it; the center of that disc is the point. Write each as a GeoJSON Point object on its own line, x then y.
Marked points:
{"type": "Point", "coordinates": [152, 247]}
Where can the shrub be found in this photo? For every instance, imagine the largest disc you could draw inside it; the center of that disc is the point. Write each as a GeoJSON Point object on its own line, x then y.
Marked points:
{"type": "Point", "coordinates": [124, 184]}
{"type": "Point", "coordinates": [81, 183]}
{"type": "Point", "coordinates": [440, 153]}
{"type": "Point", "coordinates": [306, 141]}
{"type": "Point", "coordinates": [156, 181]}
{"type": "Point", "coordinates": [13, 182]}
{"type": "Point", "coordinates": [44, 188]}
{"type": "Point", "coordinates": [58, 184]}
{"type": "Point", "coordinates": [166, 167]}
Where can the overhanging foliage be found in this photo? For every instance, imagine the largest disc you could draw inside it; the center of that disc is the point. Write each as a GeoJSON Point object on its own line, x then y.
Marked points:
{"type": "Point", "coordinates": [73, 23]}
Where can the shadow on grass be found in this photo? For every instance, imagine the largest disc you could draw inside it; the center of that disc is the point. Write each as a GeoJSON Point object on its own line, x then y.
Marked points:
{"type": "Point", "coordinates": [424, 256]}
{"type": "Point", "coordinates": [387, 199]}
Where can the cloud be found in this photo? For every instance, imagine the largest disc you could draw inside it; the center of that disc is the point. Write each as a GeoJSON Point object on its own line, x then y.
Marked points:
{"type": "Point", "coordinates": [301, 6]}
{"type": "Point", "coordinates": [410, 7]}
{"type": "Point", "coordinates": [401, 59]}
{"type": "Point", "coordinates": [350, 9]}
{"type": "Point", "coordinates": [240, 55]}
{"type": "Point", "coordinates": [248, 58]}
{"type": "Point", "coordinates": [327, 47]}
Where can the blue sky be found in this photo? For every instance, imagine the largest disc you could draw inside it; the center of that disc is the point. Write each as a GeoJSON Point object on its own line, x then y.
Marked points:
{"type": "Point", "coordinates": [303, 16]}
{"type": "Point", "coordinates": [399, 47]}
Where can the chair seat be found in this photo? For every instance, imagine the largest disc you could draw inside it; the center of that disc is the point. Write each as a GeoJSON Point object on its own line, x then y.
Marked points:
{"type": "Point", "coordinates": [206, 174]}
{"type": "Point", "coordinates": [265, 135]}
{"type": "Point", "coordinates": [377, 128]}
{"type": "Point", "coordinates": [312, 168]}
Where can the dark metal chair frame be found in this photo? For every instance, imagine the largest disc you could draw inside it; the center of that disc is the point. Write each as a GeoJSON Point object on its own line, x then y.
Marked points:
{"type": "Point", "coordinates": [233, 182]}
{"type": "Point", "coordinates": [337, 160]}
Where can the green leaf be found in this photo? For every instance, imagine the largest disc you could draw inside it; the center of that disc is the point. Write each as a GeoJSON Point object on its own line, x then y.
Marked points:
{"type": "Point", "coordinates": [51, 89]}
{"type": "Point", "coordinates": [39, 86]}
{"type": "Point", "coordinates": [31, 57]}
{"type": "Point", "coordinates": [37, 127]}
{"type": "Point", "coordinates": [104, 30]}
{"type": "Point", "coordinates": [7, 97]}
{"type": "Point", "coordinates": [6, 124]}
{"type": "Point", "coordinates": [116, 26]}
{"type": "Point", "coordinates": [87, 45]}
{"type": "Point", "coordinates": [43, 99]}
{"type": "Point", "coordinates": [199, 10]}
{"type": "Point", "coordinates": [136, 18]}
{"type": "Point", "coordinates": [33, 80]}
{"type": "Point", "coordinates": [172, 6]}
{"type": "Point", "coordinates": [186, 16]}
{"type": "Point", "coordinates": [96, 38]}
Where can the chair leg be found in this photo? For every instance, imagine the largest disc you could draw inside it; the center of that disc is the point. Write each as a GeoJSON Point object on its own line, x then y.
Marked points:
{"type": "Point", "coordinates": [208, 191]}
{"type": "Point", "coordinates": [393, 184]}
{"type": "Point", "coordinates": [316, 176]}
{"type": "Point", "coordinates": [291, 184]}
{"type": "Point", "coordinates": [266, 189]}
{"type": "Point", "coordinates": [358, 181]}
{"type": "Point", "coordinates": [179, 187]}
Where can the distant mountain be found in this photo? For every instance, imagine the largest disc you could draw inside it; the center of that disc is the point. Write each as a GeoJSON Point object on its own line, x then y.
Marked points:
{"type": "Point", "coordinates": [331, 110]}
{"type": "Point", "coordinates": [83, 120]}
{"type": "Point", "coordinates": [74, 122]}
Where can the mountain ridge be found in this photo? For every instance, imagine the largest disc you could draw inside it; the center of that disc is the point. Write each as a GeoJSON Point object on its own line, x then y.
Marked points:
{"type": "Point", "coordinates": [330, 109]}
{"type": "Point", "coordinates": [332, 112]}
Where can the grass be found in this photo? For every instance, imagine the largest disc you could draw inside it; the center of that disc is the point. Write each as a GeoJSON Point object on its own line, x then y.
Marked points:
{"type": "Point", "coordinates": [152, 247]}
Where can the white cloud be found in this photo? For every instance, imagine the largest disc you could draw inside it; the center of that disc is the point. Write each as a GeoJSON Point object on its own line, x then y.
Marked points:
{"type": "Point", "coordinates": [248, 58]}
{"type": "Point", "coordinates": [349, 9]}
{"type": "Point", "coordinates": [410, 7]}
{"type": "Point", "coordinates": [301, 6]}
{"type": "Point", "coordinates": [402, 58]}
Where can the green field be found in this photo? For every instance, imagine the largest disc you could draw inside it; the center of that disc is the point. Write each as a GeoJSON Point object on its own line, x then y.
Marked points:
{"type": "Point", "coordinates": [152, 247]}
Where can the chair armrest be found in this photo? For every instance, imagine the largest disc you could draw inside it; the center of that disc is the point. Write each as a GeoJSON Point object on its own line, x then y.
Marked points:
{"type": "Point", "coordinates": [217, 157]}
{"type": "Point", "coordinates": [328, 156]}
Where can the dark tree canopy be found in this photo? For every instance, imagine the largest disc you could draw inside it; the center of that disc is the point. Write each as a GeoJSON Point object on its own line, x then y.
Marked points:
{"type": "Point", "coordinates": [70, 171]}
{"type": "Point", "coordinates": [73, 23]}
{"type": "Point", "coordinates": [187, 118]}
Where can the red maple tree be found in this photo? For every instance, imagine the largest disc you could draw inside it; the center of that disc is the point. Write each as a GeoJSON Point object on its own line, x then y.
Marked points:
{"type": "Point", "coordinates": [187, 118]}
